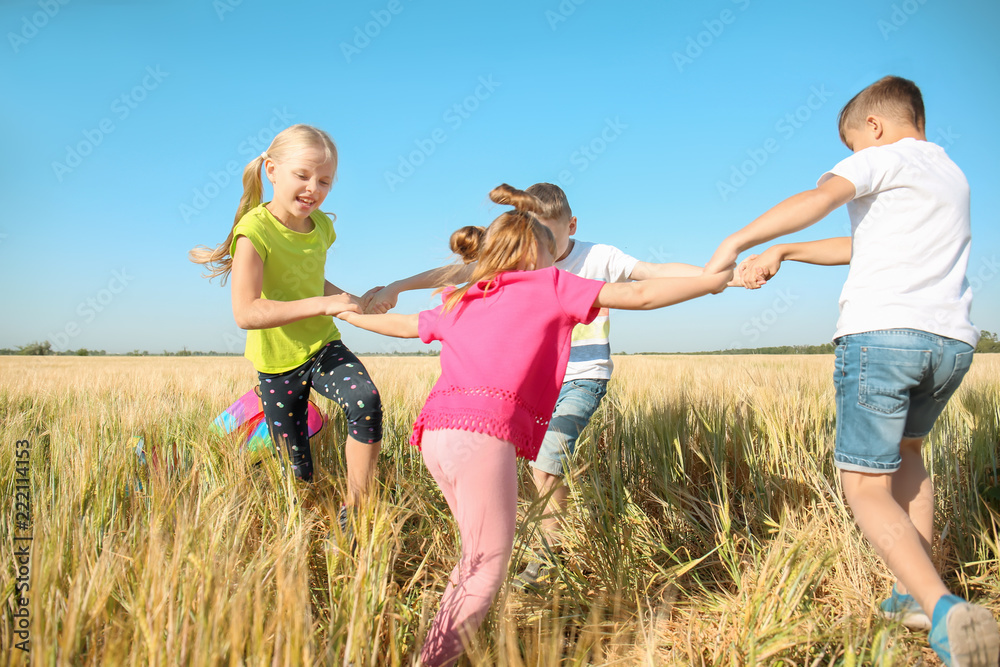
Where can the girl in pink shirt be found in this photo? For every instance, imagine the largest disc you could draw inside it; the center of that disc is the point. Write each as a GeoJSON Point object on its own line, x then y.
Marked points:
{"type": "Point", "coordinates": [505, 340]}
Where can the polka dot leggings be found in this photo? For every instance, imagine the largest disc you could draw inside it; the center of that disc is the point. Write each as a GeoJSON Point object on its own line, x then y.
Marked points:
{"type": "Point", "coordinates": [336, 373]}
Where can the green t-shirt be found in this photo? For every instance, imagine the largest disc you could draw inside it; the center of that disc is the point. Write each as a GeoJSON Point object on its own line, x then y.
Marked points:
{"type": "Point", "coordinates": [294, 266]}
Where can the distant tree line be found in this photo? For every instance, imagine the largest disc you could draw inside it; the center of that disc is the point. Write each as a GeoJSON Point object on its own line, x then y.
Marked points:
{"type": "Point", "coordinates": [44, 348]}
{"type": "Point", "coordinates": [825, 348]}
{"type": "Point", "coordinates": [988, 343]}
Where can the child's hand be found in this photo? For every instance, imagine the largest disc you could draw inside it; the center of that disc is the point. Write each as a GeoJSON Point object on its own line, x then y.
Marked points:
{"type": "Point", "coordinates": [378, 300]}
{"type": "Point", "coordinates": [756, 270]}
{"type": "Point", "coordinates": [366, 298]}
{"type": "Point", "coordinates": [748, 274]}
{"type": "Point", "coordinates": [737, 280]}
{"type": "Point", "coordinates": [346, 315]}
{"type": "Point", "coordinates": [335, 304]}
{"type": "Point", "coordinates": [724, 256]}
{"type": "Point", "coordinates": [720, 279]}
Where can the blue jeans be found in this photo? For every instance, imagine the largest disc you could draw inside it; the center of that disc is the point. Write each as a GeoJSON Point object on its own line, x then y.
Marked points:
{"type": "Point", "coordinates": [578, 401]}
{"type": "Point", "coordinates": [891, 384]}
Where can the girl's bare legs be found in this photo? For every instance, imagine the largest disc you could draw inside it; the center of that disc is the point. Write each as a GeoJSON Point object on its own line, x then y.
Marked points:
{"type": "Point", "coordinates": [361, 460]}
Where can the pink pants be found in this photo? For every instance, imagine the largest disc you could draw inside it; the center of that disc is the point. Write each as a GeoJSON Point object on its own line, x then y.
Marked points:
{"type": "Point", "coordinates": [478, 475]}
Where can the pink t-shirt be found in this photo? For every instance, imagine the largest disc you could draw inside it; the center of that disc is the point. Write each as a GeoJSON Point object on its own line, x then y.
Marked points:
{"type": "Point", "coordinates": [504, 354]}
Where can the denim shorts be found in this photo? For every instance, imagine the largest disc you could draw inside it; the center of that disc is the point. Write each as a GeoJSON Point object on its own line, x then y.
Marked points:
{"type": "Point", "coordinates": [891, 384]}
{"type": "Point", "coordinates": [578, 401]}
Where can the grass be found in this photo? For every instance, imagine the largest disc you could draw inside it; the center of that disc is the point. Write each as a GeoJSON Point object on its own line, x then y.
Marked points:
{"type": "Point", "coordinates": [706, 525]}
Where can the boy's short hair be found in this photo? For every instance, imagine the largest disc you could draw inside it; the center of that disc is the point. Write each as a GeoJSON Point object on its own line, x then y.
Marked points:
{"type": "Point", "coordinates": [554, 201]}
{"type": "Point", "coordinates": [892, 97]}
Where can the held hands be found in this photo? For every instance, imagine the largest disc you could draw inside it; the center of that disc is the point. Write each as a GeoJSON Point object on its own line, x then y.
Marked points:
{"type": "Point", "coordinates": [337, 304]}
{"type": "Point", "coordinates": [756, 270]}
{"type": "Point", "coordinates": [748, 275]}
{"type": "Point", "coordinates": [752, 273]}
{"type": "Point", "coordinates": [378, 300]}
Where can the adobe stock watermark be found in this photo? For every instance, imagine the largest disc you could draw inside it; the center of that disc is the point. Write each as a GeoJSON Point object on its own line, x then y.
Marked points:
{"type": "Point", "coordinates": [892, 531]}
{"type": "Point", "coordinates": [697, 44]}
{"type": "Point", "coordinates": [898, 17]}
{"type": "Point", "coordinates": [786, 127]}
{"type": "Point", "coordinates": [363, 35]}
{"type": "Point", "coordinates": [23, 535]}
{"type": "Point", "coordinates": [984, 273]}
{"type": "Point", "coordinates": [88, 309]}
{"type": "Point", "coordinates": [883, 203]}
{"type": "Point", "coordinates": [767, 318]}
{"type": "Point", "coordinates": [31, 25]}
{"type": "Point", "coordinates": [291, 280]}
{"type": "Point", "coordinates": [217, 180]}
{"type": "Point", "coordinates": [562, 12]}
{"type": "Point", "coordinates": [223, 7]}
{"type": "Point", "coordinates": [122, 107]}
{"type": "Point", "coordinates": [660, 255]}
{"type": "Point", "coordinates": [397, 346]}
{"type": "Point", "coordinates": [233, 342]}
{"type": "Point", "coordinates": [943, 137]}
{"type": "Point", "coordinates": [454, 116]}
{"type": "Point", "coordinates": [587, 153]}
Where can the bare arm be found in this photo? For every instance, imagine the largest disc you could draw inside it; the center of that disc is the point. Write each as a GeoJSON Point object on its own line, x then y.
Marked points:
{"type": "Point", "coordinates": [397, 325]}
{"type": "Point", "coordinates": [660, 292]}
{"type": "Point", "coordinates": [827, 252]}
{"type": "Point", "coordinates": [758, 269]}
{"type": "Point", "coordinates": [330, 289]}
{"type": "Point", "coordinates": [795, 213]}
{"type": "Point", "coordinates": [647, 270]}
{"type": "Point", "coordinates": [253, 312]}
{"type": "Point", "coordinates": [385, 298]}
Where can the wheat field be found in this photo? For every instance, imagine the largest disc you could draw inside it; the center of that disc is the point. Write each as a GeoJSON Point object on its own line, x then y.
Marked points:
{"type": "Point", "coordinates": [706, 524]}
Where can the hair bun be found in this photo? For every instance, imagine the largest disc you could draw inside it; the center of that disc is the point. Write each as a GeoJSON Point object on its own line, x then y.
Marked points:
{"type": "Point", "coordinates": [519, 199]}
{"type": "Point", "coordinates": [467, 242]}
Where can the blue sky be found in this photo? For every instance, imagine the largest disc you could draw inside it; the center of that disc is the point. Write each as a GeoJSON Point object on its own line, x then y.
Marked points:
{"type": "Point", "coordinates": [668, 124]}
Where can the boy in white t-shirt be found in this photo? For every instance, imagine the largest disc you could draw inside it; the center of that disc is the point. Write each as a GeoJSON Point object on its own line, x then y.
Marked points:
{"type": "Point", "coordinates": [587, 373]}
{"type": "Point", "coordinates": [904, 338]}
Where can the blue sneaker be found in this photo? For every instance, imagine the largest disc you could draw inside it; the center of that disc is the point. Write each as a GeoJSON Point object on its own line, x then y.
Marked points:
{"type": "Point", "coordinates": [344, 523]}
{"type": "Point", "coordinates": [964, 634]}
{"type": "Point", "coordinates": [902, 608]}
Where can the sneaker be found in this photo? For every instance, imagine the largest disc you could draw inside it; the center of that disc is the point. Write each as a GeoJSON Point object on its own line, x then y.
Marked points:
{"type": "Point", "coordinates": [902, 608]}
{"type": "Point", "coordinates": [539, 573]}
{"type": "Point", "coordinates": [964, 634]}
{"type": "Point", "coordinates": [345, 526]}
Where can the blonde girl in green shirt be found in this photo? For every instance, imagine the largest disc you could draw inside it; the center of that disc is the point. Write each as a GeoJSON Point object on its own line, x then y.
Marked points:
{"type": "Point", "coordinates": [276, 255]}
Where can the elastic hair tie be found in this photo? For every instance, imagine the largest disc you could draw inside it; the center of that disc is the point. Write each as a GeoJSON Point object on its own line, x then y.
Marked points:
{"type": "Point", "coordinates": [263, 156]}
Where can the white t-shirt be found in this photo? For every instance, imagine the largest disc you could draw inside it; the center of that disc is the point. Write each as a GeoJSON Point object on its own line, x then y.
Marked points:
{"type": "Point", "coordinates": [590, 351]}
{"type": "Point", "coordinates": [910, 240]}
